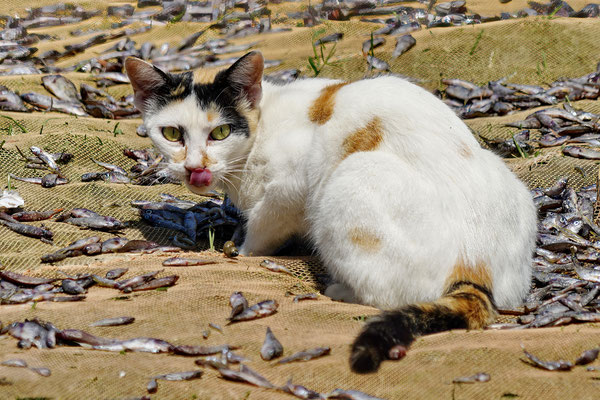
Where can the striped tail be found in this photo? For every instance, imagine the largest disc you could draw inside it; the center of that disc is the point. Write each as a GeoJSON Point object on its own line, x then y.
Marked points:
{"type": "Point", "coordinates": [467, 303]}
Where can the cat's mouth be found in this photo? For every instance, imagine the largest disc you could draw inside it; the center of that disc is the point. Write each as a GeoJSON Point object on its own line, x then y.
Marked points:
{"type": "Point", "coordinates": [200, 177]}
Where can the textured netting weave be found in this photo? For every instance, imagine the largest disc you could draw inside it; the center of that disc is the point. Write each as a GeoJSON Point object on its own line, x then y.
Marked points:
{"type": "Point", "coordinates": [536, 50]}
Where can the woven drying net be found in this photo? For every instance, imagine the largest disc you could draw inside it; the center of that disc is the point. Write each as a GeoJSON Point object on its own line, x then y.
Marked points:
{"type": "Point", "coordinates": [534, 50]}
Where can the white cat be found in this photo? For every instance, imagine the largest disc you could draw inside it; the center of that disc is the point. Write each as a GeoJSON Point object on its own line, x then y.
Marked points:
{"type": "Point", "coordinates": [405, 209]}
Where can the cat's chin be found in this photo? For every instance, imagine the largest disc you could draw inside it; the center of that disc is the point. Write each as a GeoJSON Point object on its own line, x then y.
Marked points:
{"type": "Point", "coordinates": [201, 190]}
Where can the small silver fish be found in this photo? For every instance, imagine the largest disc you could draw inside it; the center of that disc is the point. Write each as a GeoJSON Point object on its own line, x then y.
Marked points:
{"type": "Point", "coordinates": [378, 64]}
{"type": "Point", "coordinates": [275, 267]}
{"type": "Point", "coordinates": [116, 273]}
{"type": "Point", "coordinates": [478, 377]}
{"type": "Point", "coordinates": [403, 44]}
{"type": "Point", "coordinates": [61, 87]}
{"type": "Point", "coordinates": [16, 362]}
{"type": "Point", "coordinates": [238, 303]}
{"type": "Point", "coordinates": [152, 386]}
{"type": "Point", "coordinates": [180, 376]}
{"type": "Point", "coordinates": [587, 357]}
{"type": "Point", "coordinates": [165, 281]}
{"type": "Point", "coordinates": [350, 395]}
{"type": "Point", "coordinates": [259, 310]}
{"type": "Point", "coordinates": [43, 371]}
{"type": "Point", "coordinates": [110, 167]}
{"type": "Point", "coordinates": [559, 365]}
{"type": "Point", "coordinates": [306, 296]}
{"type": "Point", "coordinates": [306, 355]}
{"type": "Point", "coordinates": [245, 374]}
{"type": "Point", "coordinates": [116, 321]}
{"type": "Point", "coordinates": [301, 392]}
{"type": "Point", "coordinates": [185, 262]}
{"type": "Point", "coordinates": [271, 347]}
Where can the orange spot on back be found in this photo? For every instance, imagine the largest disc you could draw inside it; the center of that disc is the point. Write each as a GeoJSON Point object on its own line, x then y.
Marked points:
{"type": "Point", "coordinates": [465, 151]}
{"type": "Point", "coordinates": [322, 109]}
{"type": "Point", "coordinates": [364, 139]}
{"type": "Point", "coordinates": [364, 239]}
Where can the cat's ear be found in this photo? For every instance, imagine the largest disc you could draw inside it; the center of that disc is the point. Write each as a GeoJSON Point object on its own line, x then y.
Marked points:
{"type": "Point", "coordinates": [145, 79]}
{"type": "Point", "coordinates": [245, 77]}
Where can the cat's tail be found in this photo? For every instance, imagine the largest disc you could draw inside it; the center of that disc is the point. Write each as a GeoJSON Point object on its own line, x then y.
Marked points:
{"type": "Point", "coordinates": [467, 303]}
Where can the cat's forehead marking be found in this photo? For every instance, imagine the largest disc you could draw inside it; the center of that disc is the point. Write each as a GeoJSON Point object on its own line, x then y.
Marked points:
{"type": "Point", "coordinates": [365, 239]}
{"type": "Point", "coordinates": [322, 109]}
{"type": "Point", "coordinates": [179, 89]}
{"type": "Point", "coordinates": [366, 138]}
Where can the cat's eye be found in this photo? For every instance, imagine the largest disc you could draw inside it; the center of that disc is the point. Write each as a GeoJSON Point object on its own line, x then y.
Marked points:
{"type": "Point", "coordinates": [220, 132]}
{"type": "Point", "coordinates": [171, 134]}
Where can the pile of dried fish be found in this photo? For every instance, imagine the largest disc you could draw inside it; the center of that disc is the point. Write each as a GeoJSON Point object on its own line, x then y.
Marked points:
{"type": "Point", "coordinates": [43, 160]}
{"type": "Point", "coordinates": [565, 291]}
{"type": "Point", "coordinates": [469, 100]}
{"type": "Point", "coordinates": [451, 13]}
{"type": "Point", "coordinates": [18, 289]}
{"type": "Point", "coordinates": [557, 127]}
{"type": "Point", "coordinates": [192, 219]}
{"type": "Point", "coordinates": [93, 245]}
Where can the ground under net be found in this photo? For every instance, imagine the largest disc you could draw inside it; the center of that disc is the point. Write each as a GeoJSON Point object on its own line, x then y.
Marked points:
{"type": "Point", "coordinates": [534, 50]}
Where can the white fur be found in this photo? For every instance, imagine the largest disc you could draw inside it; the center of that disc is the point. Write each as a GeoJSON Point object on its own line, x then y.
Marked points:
{"type": "Point", "coordinates": [429, 204]}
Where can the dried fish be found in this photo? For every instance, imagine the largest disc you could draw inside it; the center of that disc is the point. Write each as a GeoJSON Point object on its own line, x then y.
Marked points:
{"type": "Point", "coordinates": [559, 365]}
{"type": "Point", "coordinates": [186, 350]}
{"type": "Point", "coordinates": [116, 273]}
{"type": "Point", "coordinates": [403, 44]}
{"type": "Point", "coordinates": [238, 303]}
{"type": "Point", "coordinates": [478, 377]}
{"type": "Point", "coordinates": [259, 310]}
{"type": "Point", "coordinates": [587, 357]}
{"type": "Point", "coordinates": [306, 296]}
{"type": "Point", "coordinates": [275, 267]}
{"type": "Point", "coordinates": [30, 216]}
{"type": "Point", "coordinates": [24, 280]}
{"type": "Point", "coordinates": [41, 371]}
{"type": "Point", "coordinates": [180, 376]}
{"type": "Point", "coordinates": [116, 321]}
{"type": "Point", "coordinates": [244, 375]}
{"type": "Point", "coordinates": [306, 355]}
{"type": "Point", "coordinates": [301, 392]}
{"type": "Point", "coordinates": [17, 362]}
{"type": "Point", "coordinates": [350, 395]}
{"type": "Point", "coordinates": [185, 262]}
{"type": "Point", "coordinates": [157, 283]}
{"type": "Point", "coordinates": [271, 347]}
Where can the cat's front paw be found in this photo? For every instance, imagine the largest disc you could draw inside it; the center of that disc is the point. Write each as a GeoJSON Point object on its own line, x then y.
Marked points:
{"type": "Point", "coordinates": [340, 292]}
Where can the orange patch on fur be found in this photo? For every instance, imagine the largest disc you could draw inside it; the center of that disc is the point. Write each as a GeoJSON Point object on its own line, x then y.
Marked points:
{"type": "Point", "coordinates": [364, 139]}
{"type": "Point", "coordinates": [322, 109]}
{"type": "Point", "coordinates": [364, 239]}
{"type": "Point", "coordinates": [211, 115]}
{"type": "Point", "coordinates": [180, 156]}
{"type": "Point", "coordinates": [467, 299]}
{"type": "Point", "coordinates": [479, 274]}
{"type": "Point", "coordinates": [207, 161]}
{"type": "Point", "coordinates": [465, 151]}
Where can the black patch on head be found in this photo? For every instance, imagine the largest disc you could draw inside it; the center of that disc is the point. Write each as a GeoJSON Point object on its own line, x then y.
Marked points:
{"type": "Point", "coordinates": [222, 95]}
{"type": "Point", "coordinates": [175, 87]}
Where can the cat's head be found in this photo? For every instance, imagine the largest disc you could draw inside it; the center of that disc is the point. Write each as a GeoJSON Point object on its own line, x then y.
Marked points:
{"type": "Point", "coordinates": [203, 130]}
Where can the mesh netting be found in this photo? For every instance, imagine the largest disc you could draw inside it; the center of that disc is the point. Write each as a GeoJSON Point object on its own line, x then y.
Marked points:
{"type": "Point", "coordinates": [527, 50]}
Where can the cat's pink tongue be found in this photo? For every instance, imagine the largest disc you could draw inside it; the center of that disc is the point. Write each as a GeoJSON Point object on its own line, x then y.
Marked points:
{"type": "Point", "coordinates": [200, 177]}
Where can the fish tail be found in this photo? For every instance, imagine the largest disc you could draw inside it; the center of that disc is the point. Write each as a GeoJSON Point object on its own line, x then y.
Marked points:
{"type": "Point", "coordinates": [466, 303]}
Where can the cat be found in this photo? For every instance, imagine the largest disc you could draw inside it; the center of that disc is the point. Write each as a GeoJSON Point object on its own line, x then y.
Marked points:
{"type": "Point", "coordinates": [405, 209]}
